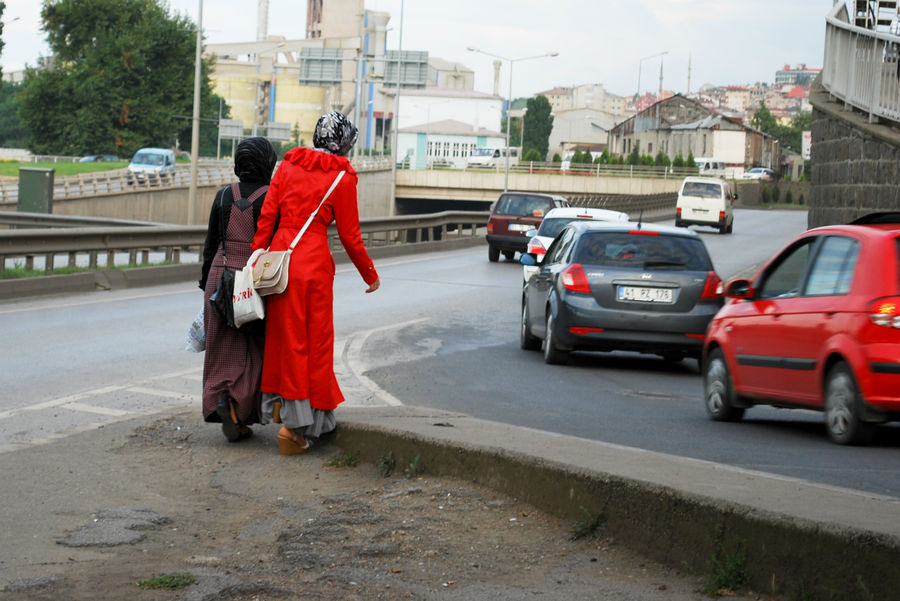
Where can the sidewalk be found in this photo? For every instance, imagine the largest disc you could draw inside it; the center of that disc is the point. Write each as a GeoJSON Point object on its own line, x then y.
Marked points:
{"type": "Point", "coordinates": [471, 510]}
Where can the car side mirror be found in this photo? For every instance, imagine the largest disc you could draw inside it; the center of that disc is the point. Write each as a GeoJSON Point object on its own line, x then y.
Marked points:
{"type": "Point", "coordinates": [739, 289]}
{"type": "Point", "coordinates": [531, 233]}
{"type": "Point", "coordinates": [528, 260]}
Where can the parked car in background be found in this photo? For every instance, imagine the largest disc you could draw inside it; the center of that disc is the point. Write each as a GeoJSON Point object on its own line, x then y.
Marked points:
{"type": "Point", "coordinates": [605, 286]}
{"type": "Point", "coordinates": [759, 173]}
{"type": "Point", "coordinates": [512, 216]}
{"type": "Point", "coordinates": [539, 240]}
{"type": "Point", "coordinates": [99, 158]}
{"type": "Point", "coordinates": [492, 157]}
{"type": "Point", "coordinates": [151, 162]}
{"type": "Point", "coordinates": [817, 328]}
{"type": "Point", "coordinates": [705, 201]}
{"type": "Point", "coordinates": [710, 167]}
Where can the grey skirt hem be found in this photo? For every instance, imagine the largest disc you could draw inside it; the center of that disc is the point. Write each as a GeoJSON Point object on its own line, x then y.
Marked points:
{"type": "Point", "coordinates": [298, 415]}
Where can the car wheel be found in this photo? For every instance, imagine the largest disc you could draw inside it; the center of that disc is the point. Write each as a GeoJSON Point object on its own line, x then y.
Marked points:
{"type": "Point", "coordinates": [509, 254]}
{"type": "Point", "coordinates": [843, 419]}
{"type": "Point", "coordinates": [552, 355]}
{"type": "Point", "coordinates": [678, 223]}
{"type": "Point", "coordinates": [718, 390]}
{"type": "Point", "coordinates": [730, 228]}
{"type": "Point", "coordinates": [493, 254]}
{"type": "Point", "coordinates": [527, 340]}
{"type": "Point", "coordinates": [723, 229]}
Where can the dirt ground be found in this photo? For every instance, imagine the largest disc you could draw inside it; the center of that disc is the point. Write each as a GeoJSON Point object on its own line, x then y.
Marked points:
{"type": "Point", "coordinates": [251, 525]}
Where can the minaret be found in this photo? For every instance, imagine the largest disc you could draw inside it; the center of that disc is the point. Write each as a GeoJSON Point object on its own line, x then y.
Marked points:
{"type": "Point", "coordinates": [262, 20]}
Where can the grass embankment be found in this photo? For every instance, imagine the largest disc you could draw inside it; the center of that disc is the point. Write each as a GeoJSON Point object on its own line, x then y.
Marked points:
{"type": "Point", "coordinates": [11, 168]}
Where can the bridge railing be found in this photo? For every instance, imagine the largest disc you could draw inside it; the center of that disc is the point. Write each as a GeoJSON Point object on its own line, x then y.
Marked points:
{"type": "Point", "coordinates": [862, 66]}
{"type": "Point", "coordinates": [118, 180]}
{"type": "Point", "coordinates": [109, 245]}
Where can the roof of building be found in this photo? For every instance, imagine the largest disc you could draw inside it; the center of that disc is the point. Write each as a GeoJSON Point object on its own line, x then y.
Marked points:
{"type": "Point", "coordinates": [447, 93]}
{"type": "Point", "coordinates": [450, 127]}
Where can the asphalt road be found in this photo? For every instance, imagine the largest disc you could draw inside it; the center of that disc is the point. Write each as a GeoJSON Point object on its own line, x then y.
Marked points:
{"type": "Point", "coordinates": [442, 332]}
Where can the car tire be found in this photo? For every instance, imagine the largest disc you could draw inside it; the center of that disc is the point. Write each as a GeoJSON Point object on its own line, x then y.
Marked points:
{"type": "Point", "coordinates": [723, 229]}
{"type": "Point", "coordinates": [718, 390]}
{"type": "Point", "coordinates": [730, 228]}
{"type": "Point", "coordinates": [843, 408]}
{"type": "Point", "coordinates": [509, 255]}
{"type": "Point", "coordinates": [678, 223]}
{"type": "Point", "coordinates": [493, 254]}
{"type": "Point", "coordinates": [553, 355]}
{"type": "Point", "coordinates": [528, 341]}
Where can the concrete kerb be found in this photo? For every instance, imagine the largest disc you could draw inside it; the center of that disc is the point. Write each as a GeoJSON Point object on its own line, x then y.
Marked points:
{"type": "Point", "coordinates": [797, 537]}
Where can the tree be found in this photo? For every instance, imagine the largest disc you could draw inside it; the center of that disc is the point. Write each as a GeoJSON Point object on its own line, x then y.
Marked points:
{"type": "Point", "coordinates": [538, 124]}
{"type": "Point", "coordinates": [533, 155]}
{"type": "Point", "coordinates": [12, 133]}
{"type": "Point", "coordinates": [122, 78]}
{"type": "Point", "coordinates": [2, 8]}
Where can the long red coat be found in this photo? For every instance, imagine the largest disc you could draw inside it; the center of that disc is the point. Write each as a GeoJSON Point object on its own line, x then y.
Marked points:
{"type": "Point", "coordinates": [299, 356]}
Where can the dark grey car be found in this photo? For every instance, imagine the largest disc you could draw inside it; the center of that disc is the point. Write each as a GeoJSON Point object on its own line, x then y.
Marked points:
{"type": "Point", "coordinates": [610, 286]}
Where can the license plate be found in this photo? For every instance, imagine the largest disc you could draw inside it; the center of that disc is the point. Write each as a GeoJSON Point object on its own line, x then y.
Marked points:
{"type": "Point", "coordinates": [520, 227]}
{"type": "Point", "coordinates": [644, 294]}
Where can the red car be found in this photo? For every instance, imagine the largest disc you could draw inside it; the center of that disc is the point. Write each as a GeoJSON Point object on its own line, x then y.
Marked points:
{"type": "Point", "coordinates": [817, 328]}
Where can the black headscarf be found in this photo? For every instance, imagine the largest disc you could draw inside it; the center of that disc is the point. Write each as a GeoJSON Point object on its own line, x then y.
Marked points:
{"type": "Point", "coordinates": [254, 160]}
{"type": "Point", "coordinates": [334, 133]}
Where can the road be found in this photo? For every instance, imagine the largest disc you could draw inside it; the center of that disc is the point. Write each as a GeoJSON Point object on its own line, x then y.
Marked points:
{"type": "Point", "coordinates": [442, 332]}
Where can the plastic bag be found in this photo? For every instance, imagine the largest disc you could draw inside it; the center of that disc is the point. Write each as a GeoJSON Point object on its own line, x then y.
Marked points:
{"type": "Point", "coordinates": [196, 336]}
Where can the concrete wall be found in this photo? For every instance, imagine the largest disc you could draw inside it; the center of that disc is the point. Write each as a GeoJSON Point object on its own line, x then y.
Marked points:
{"type": "Point", "coordinates": [170, 205]}
{"type": "Point", "coordinates": [855, 165]}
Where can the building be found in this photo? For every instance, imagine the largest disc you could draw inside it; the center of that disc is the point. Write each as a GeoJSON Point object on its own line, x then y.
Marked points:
{"type": "Point", "coordinates": [580, 129]}
{"type": "Point", "coordinates": [798, 75]}
{"type": "Point", "coordinates": [682, 126]}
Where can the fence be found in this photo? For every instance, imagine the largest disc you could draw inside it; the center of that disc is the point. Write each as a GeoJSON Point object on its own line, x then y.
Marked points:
{"type": "Point", "coordinates": [107, 245]}
{"type": "Point", "coordinates": [862, 66]}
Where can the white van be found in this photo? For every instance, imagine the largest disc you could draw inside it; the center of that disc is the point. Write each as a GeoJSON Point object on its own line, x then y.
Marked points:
{"type": "Point", "coordinates": [710, 167]}
{"type": "Point", "coordinates": [148, 162]}
{"type": "Point", "coordinates": [705, 201]}
{"type": "Point", "coordinates": [491, 157]}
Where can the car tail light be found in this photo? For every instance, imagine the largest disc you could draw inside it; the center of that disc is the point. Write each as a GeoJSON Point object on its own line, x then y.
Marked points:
{"type": "Point", "coordinates": [721, 216]}
{"type": "Point", "coordinates": [578, 331]}
{"type": "Point", "coordinates": [535, 247]}
{"type": "Point", "coordinates": [490, 227]}
{"type": "Point", "coordinates": [713, 287]}
{"type": "Point", "coordinates": [678, 211]}
{"type": "Point", "coordinates": [885, 312]}
{"type": "Point", "coordinates": [642, 233]}
{"type": "Point", "coordinates": [574, 279]}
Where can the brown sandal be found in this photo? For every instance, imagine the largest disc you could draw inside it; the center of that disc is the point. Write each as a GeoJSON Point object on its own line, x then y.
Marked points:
{"type": "Point", "coordinates": [288, 444]}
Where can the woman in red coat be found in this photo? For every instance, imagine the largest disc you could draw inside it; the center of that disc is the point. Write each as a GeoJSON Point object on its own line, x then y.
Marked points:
{"type": "Point", "coordinates": [298, 383]}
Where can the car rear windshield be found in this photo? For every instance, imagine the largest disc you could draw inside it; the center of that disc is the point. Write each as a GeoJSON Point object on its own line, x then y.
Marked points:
{"type": "Point", "coordinates": [523, 206]}
{"type": "Point", "coordinates": [702, 189]}
{"type": "Point", "coordinates": [553, 226]}
{"type": "Point", "coordinates": [643, 251]}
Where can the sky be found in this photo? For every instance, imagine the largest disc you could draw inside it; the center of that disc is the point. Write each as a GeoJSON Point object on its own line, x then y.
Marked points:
{"type": "Point", "coordinates": [608, 42]}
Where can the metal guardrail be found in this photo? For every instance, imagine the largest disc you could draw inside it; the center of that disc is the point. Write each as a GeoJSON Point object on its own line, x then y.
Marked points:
{"type": "Point", "coordinates": [577, 169]}
{"type": "Point", "coordinates": [172, 241]}
{"type": "Point", "coordinates": [862, 66]}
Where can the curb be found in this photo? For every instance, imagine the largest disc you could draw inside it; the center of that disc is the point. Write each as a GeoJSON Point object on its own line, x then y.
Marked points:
{"type": "Point", "coordinates": [680, 512]}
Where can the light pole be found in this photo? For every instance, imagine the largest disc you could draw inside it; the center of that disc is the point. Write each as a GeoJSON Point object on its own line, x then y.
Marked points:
{"type": "Point", "coordinates": [641, 62]}
{"type": "Point", "coordinates": [509, 101]}
{"type": "Point", "coordinates": [195, 121]}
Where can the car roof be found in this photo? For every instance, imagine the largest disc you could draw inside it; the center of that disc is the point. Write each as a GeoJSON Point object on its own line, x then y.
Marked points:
{"type": "Point", "coordinates": [602, 214]}
{"type": "Point", "coordinates": [544, 194]}
{"type": "Point", "coordinates": [714, 180]}
{"type": "Point", "coordinates": [153, 149]}
{"type": "Point", "coordinates": [585, 225]}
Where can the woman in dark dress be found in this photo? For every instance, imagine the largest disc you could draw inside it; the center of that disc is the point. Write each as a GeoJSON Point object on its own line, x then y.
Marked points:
{"type": "Point", "coordinates": [232, 367]}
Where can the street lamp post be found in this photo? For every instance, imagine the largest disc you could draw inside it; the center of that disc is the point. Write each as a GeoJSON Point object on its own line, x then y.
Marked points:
{"type": "Point", "coordinates": [195, 121]}
{"type": "Point", "coordinates": [641, 62]}
{"type": "Point", "coordinates": [509, 101]}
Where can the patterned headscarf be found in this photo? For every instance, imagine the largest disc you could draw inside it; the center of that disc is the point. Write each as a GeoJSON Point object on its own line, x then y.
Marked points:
{"type": "Point", "coordinates": [254, 160]}
{"type": "Point", "coordinates": [334, 133]}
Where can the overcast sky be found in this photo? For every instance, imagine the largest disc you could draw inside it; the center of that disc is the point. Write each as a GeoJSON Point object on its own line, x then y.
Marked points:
{"type": "Point", "coordinates": [598, 41]}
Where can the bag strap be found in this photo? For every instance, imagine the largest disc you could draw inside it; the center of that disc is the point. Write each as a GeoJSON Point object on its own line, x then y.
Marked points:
{"type": "Point", "coordinates": [312, 216]}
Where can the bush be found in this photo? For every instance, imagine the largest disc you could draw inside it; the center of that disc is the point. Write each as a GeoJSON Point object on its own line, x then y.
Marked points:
{"type": "Point", "coordinates": [776, 194]}
{"type": "Point", "coordinates": [789, 197]}
{"type": "Point", "coordinates": [766, 194]}
{"type": "Point", "coordinates": [533, 154]}
{"type": "Point", "coordinates": [556, 157]}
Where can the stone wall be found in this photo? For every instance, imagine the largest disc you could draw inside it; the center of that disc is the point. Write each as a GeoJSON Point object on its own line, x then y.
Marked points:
{"type": "Point", "coordinates": [855, 165]}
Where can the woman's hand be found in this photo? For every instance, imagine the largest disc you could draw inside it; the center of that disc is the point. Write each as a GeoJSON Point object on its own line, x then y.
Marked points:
{"type": "Point", "coordinates": [374, 286]}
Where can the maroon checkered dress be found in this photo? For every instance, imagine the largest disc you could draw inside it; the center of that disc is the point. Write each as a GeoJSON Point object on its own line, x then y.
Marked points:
{"type": "Point", "coordinates": [234, 360]}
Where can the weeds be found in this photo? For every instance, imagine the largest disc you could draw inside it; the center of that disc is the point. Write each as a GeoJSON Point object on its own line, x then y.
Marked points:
{"type": "Point", "coordinates": [168, 581]}
{"type": "Point", "coordinates": [727, 571]}
{"type": "Point", "coordinates": [387, 464]}
{"type": "Point", "coordinates": [590, 526]}
{"type": "Point", "coordinates": [347, 459]}
{"type": "Point", "coordinates": [19, 271]}
{"type": "Point", "coordinates": [413, 469]}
